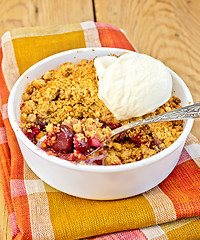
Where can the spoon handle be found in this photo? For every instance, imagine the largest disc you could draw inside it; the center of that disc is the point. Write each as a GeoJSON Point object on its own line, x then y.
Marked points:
{"type": "Point", "coordinates": [190, 111]}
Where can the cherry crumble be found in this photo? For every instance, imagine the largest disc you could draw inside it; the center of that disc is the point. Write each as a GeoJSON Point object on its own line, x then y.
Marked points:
{"type": "Point", "coordinates": [63, 110]}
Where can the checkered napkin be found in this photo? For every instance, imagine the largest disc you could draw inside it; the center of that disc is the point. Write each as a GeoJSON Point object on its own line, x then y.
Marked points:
{"type": "Point", "coordinates": [37, 211]}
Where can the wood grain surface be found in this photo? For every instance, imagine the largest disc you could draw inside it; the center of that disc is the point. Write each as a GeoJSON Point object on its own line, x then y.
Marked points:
{"type": "Point", "coordinates": [165, 29]}
{"type": "Point", "coordinates": [23, 13]}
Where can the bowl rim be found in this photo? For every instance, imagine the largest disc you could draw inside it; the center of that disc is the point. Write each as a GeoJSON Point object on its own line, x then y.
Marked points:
{"type": "Point", "coordinates": [92, 168]}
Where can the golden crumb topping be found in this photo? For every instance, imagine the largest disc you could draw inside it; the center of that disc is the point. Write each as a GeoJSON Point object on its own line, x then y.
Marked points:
{"type": "Point", "coordinates": [69, 96]}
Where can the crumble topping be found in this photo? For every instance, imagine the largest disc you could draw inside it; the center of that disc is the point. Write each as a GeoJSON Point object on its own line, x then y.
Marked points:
{"type": "Point", "coordinates": [63, 106]}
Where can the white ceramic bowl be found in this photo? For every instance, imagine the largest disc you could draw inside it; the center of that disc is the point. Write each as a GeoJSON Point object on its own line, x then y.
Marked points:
{"type": "Point", "coordinates": [95, 182]}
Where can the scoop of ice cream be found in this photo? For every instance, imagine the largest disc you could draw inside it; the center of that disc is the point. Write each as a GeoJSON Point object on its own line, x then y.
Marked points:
{"type": "Point", "coordinates": [133, 84]}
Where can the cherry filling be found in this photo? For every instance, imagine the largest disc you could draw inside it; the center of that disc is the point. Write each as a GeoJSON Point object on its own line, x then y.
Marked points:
{"type": "Point", "coordinates": [136, 140]}
{"type": "Point", "coordinates": [65, 144]}
{"type": "Point", "coordinates": [94, 142]}
{"type": "Point", "coordinates": [41, 124]}
{"type": "Point", "coordinates": [64, 140]}
{"type": "Point", "coordinates": [112, 126]}
{"type": "Point", "coordinates": [32, 132]}
{"type": "Point", "coordinates": [81, 144]}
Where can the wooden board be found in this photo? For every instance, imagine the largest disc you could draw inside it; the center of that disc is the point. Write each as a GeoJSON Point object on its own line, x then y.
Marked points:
{"type": "Point", "coordinates": [20, 13]}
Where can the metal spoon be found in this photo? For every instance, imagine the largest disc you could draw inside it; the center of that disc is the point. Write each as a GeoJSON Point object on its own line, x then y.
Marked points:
{"type": "Point", "coordinates": [190, 111]}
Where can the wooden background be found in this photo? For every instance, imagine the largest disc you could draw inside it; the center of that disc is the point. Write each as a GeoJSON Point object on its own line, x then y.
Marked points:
{"type": "Point", "coordinates": [165, 29]}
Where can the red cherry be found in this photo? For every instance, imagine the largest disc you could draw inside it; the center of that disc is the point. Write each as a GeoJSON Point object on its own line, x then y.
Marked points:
{"type": "Point", "coordinates": [136, 140]}
{"type": "Point", "coordinates": [113, 125]}
{"type": "Point", "coordinates": [41, 124]}
{"type": "Point", "coordinates": [81, 145]}
{"type": "Point", "coordinates": [34, 131]}
{"type": "Point", "coordinates": [121, 137]}
{"type": "Point", "coordinates": [64, 140]}
{"type": "Point", "coordinates": [94, 142]}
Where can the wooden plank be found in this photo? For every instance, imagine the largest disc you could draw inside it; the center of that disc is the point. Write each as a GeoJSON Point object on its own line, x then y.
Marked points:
{"type": "Point", "coordinates": [20, 13]}
{"type": "Point", "coordinates": [167, 30]}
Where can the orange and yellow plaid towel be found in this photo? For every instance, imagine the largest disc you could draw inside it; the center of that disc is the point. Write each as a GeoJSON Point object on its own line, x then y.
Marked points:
{"type": "Point", "coordinates": [37, 211]}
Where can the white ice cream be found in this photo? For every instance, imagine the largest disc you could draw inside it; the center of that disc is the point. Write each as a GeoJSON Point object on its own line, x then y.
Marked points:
{"type": "Point", "coordinates": [133, 84]}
